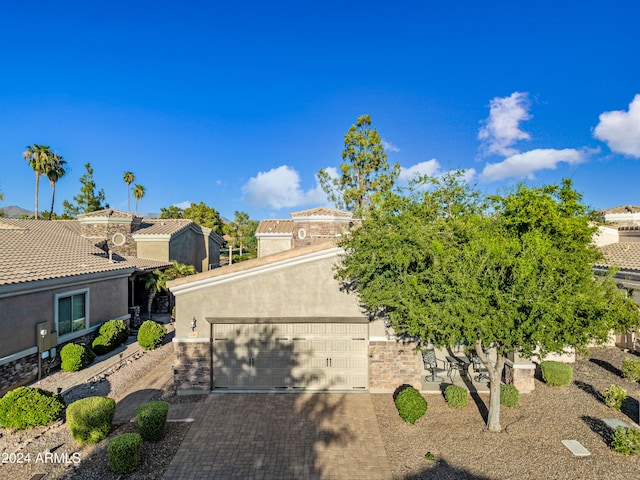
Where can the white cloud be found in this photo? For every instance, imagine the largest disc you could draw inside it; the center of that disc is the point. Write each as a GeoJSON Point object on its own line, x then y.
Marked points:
{"type": "Point", "coordinates": [502, 129]}
{"type": "Point", "coordinates": [430, 167]}
{"type": "Point", "coordinates": [527, 163]}
{"type": "Point", "coordinates": [389, 147]}
{"type": "Point", "coordinates": [332, 172]}
{"type": "Point", "coordinates": [621, 130]}
{"type": "Point", "coordinates": [280, 188]}
{"type": "Point", "coordinates": [182, 205]}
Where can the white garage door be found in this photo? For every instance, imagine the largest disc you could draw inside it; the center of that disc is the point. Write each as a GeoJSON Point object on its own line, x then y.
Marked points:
{"type": "Point", "coordinates": [290, 356]}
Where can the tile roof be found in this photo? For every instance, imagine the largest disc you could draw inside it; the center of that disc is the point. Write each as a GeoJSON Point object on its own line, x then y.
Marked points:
{"type": "Point", "coordinates": [169, 226]}
{"type": "Point", "coordinates": [275, 226]}
{"type": "Point", "coordinates": [625, 255]}
{"type": "Point", "coordinates": [321, 212]}
{"type": "Point", "coordinates": [32, 250]}
{"type": "Point", "coordinates": [108, 212]}
{"type": "Point", "coordinates": [622, 209]}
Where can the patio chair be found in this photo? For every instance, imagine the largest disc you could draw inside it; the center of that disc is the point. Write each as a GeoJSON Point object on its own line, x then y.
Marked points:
{"type": "Point", "coordinates": [479, 369]}
{"type": "Point", "coordinates": [430, 362]}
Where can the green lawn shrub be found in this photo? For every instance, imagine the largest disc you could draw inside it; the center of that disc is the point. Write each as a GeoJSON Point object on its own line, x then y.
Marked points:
{"type": "Point", "coordinates": [25, 407]}
{"type": "Point", "coordinates": [124, 452]}
{"type": "Point", "coordinates": [151, 418]}
{"type": "Point", "coordinates": [111, 334]}
{"type": "Point", "coordinates": [509, 395]}
{"type": "Point", "coordinates": [151, 335]}
{"type": "Point", "coordinates": [456, 397]}
{"type": "Point", "coordinates": [411, 405]}
{"type": "Point", "coordinates": [556, 374]}
{"type": "Point", "coordinates": [631, 369]}
{"type": "Point", "coordinates": [76, 356]}
{"type": "Point", "coordinates": [626, 440]}
{"type": "Point", "coordinates": [89, 419]}
{"type": "Point", "coordinates": [614, 396]}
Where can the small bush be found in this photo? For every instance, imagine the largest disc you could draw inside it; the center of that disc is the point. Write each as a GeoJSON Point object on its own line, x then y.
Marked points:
{"type": "Point", "coordinates": [631, 369]}
{"type": "Point", "coordinates": [111, 334]}
{"type": "Point", "coordinates": [509, 395]}
{"type": "Point", "coordinates": [124, 452]}
{"type": "Point", "coordinates": [456, 397]}
{"type": "Point", "coordinates": [556, 374]}
{"type": "Point", "coordinates": [151, 418]}
{"type": "Point", "coordinates": [411, 405]}
{"type": "Point", "coordinates": [76, 356]}
{"type": "Point", "coordinates": [614, 396]}
{"type": "Point", "coordinates": [89, 419]}
{"type": "Point", "coordinates": [25, 407]}
{"type": "Point", "coordinates": [626, 440]}
{"type": "Point", "coordinates": [151, 335]}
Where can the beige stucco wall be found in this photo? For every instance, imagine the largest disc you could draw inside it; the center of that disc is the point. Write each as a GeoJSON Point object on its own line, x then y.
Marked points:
{"type": "Point", "coordinates": [305, 289]}
{"type": "Point", "coordinates": [271, 245]}
{"type": "Point", "coordinates": [19, 314]}
{"type": "Point", "coordinates": [153, 249]}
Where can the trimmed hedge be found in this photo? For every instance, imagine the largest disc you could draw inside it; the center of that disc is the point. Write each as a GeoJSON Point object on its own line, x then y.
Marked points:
{"type": "Point", "coordinates": [111, 334]}
{"type": "Point", "coordinates": [151, 335]}
{"type": "Point", "coordinates": [626, 440]}
{"type": "Point", "coordinates": [411, 405]}
{"type": "Point", "coordinates": [25, 407]}
{"type": "Point", "coordinates": [509, 395]}
{"type": "Point", "coordinates": [631, 369]}
{"type": "Point", "coordinates": [556, 374]}
{"type": "Point", "coordinates": [76, 356]}
{"type": "Point", "coordinates": [151, 418]}
{"type": "Point", "coordinates": [124, 452]}
{"type": "Point", "coordinates": [89, 419]}
{"type": "Point", "coordinates": [456, 397]}
{"type": "Point", "coordinates": [614, 396]}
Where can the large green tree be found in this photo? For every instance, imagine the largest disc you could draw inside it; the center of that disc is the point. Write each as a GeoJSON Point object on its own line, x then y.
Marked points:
{"type": "Point", "coordinates": [200, 213]}
{"type": "Point", "coordinates": [242, 230]}
{"type": "Point", "coordinates": [87, 200]}
{"type": "Point", "coordinates": [363, 172]}
{"type": "Point", "coordinates": [512, 273]}
{"type": "Point", "coordinates": [55, 171]}
{"type": "Point", "coordinates": [40, 159]}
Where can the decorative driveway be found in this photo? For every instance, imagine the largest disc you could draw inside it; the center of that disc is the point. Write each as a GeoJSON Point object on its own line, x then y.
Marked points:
{"type": "Point", "coordinates": [282, 436]}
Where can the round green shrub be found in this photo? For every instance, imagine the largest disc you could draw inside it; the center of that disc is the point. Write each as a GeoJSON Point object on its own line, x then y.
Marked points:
{"type": "Point", "coordinates": [151, 418]}
{"type": "Point", "coordinates": [111, 334]}
{"type": "Point", "coordinates": [455, 396]}
{"type": "Point", "coordinates": [631, 369]}
{"type": "Point", "coordinates": [509, 395]}
{"type": "Point", "coordinates": [124, 452]}
{"type": "Point", "coordinates": [556, 374]}
{"type": "Point", "coordinates": [626, 440]}
{"type": "Point", "coordinates": [614, 396]}
{"type": "Point", "coordinates": [25, 407]}
{"type": "Point", "coordinates": [76, 356]}
{"type": "Point", "coordinates": [411, 405]}
{"type": "Point", "coordinates": [151, 335]}
{"type": "Point", "coordinates": [89, 419]}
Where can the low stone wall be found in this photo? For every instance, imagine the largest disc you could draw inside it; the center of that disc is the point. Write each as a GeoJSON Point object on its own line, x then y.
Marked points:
{"type": "Point", "coordinates": [520, 375]}
{"type": "Point", "coordinates": [192, 366]}
{"type": "Point", "coordinates": [19, 372]}
{"type": "Point", "coordinates": [394, 363]}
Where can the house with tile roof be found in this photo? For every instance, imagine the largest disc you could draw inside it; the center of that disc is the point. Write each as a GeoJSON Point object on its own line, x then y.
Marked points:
{"type": "Point", "coordinates": [65, 278]}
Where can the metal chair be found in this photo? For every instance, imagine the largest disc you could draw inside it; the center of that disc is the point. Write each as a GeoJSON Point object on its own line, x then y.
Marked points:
{"type": "Point", "coordinates": [430, 362]}
{"type": "Point", "coordinates": [479, 369]}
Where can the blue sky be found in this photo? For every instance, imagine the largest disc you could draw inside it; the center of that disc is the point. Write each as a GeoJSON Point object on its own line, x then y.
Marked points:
{"type": "Point", "coordinates": [239, 104]}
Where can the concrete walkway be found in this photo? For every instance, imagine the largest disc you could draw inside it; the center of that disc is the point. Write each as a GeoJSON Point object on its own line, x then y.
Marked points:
{"type": "Point", "coordinates": [282, 436]}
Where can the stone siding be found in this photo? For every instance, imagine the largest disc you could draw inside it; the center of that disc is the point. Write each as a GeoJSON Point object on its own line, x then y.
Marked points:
{"type": "Point", "coordinates": [317, 232]}
{"type": "Point", "coordinates": [192, 367]}
{"type": "Point", "coordinates": [519, 375]}
{"type": "Point", "coordinates": [105, 231]}
{"type": "Point", "coordinates": [19, 372]}
{"type": "Point", "coordinates": [394, 363]}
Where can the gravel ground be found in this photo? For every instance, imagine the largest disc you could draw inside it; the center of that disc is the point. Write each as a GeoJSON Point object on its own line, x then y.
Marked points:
{"type": "Point", "coordinates": [529, 447]}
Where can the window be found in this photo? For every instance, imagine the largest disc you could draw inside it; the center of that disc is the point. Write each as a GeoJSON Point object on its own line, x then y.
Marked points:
{"type": "Point", "coordinates": [72, 312]}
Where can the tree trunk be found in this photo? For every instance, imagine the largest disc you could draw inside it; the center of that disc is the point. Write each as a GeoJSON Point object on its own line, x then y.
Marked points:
{"type": "Point", "coordinates": [495, 379]}
{"type": "Point", "coordinates": [35, 213]}
{"type": "Point", "coordinates": [53, 196]}
{"type": "Point", "coordinates": [152, 294]}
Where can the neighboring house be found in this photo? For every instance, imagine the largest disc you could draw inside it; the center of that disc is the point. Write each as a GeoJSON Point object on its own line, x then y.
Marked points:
{"type": "Point", "coordinates": [55, 287]}
{"type": "Point", "coordinates": [622, 215]}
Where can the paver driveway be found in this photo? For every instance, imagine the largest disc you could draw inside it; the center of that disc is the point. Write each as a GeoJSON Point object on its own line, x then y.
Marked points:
{"type": "Point", "coordinates": [282, 436]}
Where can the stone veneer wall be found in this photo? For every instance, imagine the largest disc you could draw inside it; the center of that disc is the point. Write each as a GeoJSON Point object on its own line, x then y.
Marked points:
{"type": "Point", "coordinates": [19, 372]}
{"type": "Point", "coordinates": [106, 231]}
{"type": "Point", "coordinates": [394, 363]}
{"type": "Point", "coordinates": [192, 366]}
{"type": "Point", "coordinates": [520, 375]}
{"type": "Point", "coordinates": [317, 232]}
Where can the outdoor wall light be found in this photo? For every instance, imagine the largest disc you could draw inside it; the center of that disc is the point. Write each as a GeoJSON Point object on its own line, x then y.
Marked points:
{"type": "Point", "coordinates": [193, 324]}
{"type": "Point", "coordinates": [43, 332]}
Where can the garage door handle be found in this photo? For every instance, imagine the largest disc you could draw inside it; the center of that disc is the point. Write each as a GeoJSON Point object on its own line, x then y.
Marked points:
{"type": "Point", "coordinates": [282, 338]}
{"type": "Point", "coordinates": [358, 339]}
{"type": "Point", "coordinates": [299, 338]}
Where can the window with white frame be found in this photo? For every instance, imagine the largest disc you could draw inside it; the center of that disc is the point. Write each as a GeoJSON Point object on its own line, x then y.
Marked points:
{"type": "Point", "coordinates": [72, 312]}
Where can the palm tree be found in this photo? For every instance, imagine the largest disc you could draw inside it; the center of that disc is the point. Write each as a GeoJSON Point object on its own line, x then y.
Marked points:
{"type": "Point", "coordinates": [155, 282]}
{"type": "Point", "coordinates": [138, 193]}
{"type": "Point", "coordinates": [179, 270]}
{"type": "Point", "coordinates": [128, 178]}
{"type": "Point", "coordinates": [55, 171]}
{"type": "Point", "coordinates": [39, 158]}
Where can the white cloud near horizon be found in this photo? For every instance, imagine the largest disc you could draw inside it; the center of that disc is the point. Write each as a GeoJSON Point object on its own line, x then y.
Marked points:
{"type": "Point", "coordinates": [389, 147]}
{"type": "Point", "coordinates": [280, 188]}
{"type": "Point", "coordinates": [182, 205]}
{"type": "Point", "coordinates": [502, 129]}
{"type": "Point", "coordinates": [620, 129]}
{"type": "Point", "coordinates": [430, 167]}
{"type": "Point", "coordinates": [525, 164]}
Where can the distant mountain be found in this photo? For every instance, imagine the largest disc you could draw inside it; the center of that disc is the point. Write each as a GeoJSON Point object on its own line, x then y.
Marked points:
{"type": "Point", "coordinates": [12, 211]}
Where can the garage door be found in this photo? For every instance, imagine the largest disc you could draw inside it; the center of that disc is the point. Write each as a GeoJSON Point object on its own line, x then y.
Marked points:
{"type": "Point", "coordinates": [290, 356]}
